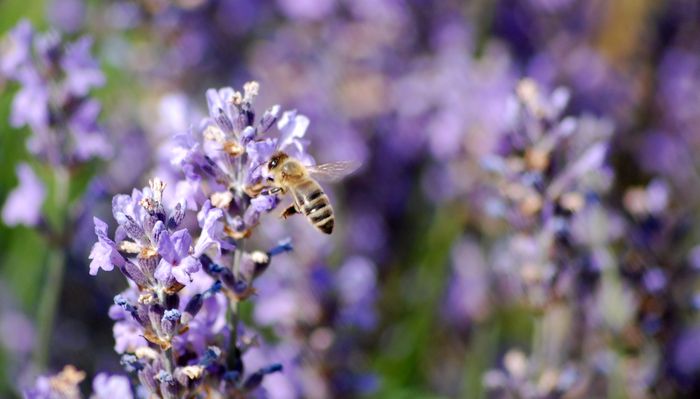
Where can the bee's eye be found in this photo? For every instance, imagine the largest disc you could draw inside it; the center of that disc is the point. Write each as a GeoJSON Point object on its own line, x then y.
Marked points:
{"type": "Point", "coordinates": [272, 164]}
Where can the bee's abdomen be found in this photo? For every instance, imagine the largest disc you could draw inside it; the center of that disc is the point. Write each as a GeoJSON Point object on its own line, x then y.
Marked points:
{"type": "Point", "coordinates": [316, 206]}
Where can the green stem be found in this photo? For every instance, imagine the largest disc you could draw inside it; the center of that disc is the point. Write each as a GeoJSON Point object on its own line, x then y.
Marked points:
{"type": "Point", "coordinates": [232, 313]}
{"type": "Point", "coordinates": [538, 353]}
{"type": "Point", "coordinates": [48, 305]}
{"type": "Point", "coordinates": [56, 264]}
{"type": "Point", "coordinates": [169, 359]}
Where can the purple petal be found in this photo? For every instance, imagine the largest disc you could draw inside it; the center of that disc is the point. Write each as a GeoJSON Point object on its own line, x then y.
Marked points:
{"type": "Point", "coordinates": [166, 249]}
{"type": "Point", "coordinates": [31, 104]}
{"type": "Point", "coordinates": [107, 387]}
{"type": "Point", "coordinates": [181, 275]}
{"type": "Point", "coordinates": [23, 205]}
{"type": "Point", "coordinates": [293, 127]}
{"type": "Point", "coordinates": [163, 271]}
{"type": "Point", "coordinates": [103, 257]}
{"type": "Point", "coordinates": [82, 70]}
{"type": "Point", "coordinates": [181, 241]}
{"type": "Point", "coordinates": [17, 50]}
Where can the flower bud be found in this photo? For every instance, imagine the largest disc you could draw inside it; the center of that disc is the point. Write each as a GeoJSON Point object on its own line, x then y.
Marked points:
{"type": "Point", "coordinates": [135, 274]}
{"type": "Point", "coordinates": [168, 386]}
{"type": "Point", "coordinates": [254, 380]}
{"type": "Point", "coordinates": [210, 356]}
{"type": "Point", "coordinates": [172, 301]}
{"type": "Point", "coordinates": [158, 229]}
{"type": "Point", "coordinates": [155, 314]}
{"type": "Point", "coordinates": [269, 118]}
{"type": "Point", "coordinates": [148, 379]}
{"type": "Point", "coordinates": [281, 247]}
{"type": "Point", "coordinates": [119, 300]}
{"type": "Point", "coordinates": [170, 322]}
{"type": "Point", "coordinates": [228, 279]}
{"type": "Point", "coordinates": [131, 363]}
{"type": "Point", "coordinates": [248, 134]}
{"type": "Point", "coordinates": [192, 308]}
{"type": "Point", "coordinates": [177, 215]}
{"type": "Point", "coordinates": [261, 261]}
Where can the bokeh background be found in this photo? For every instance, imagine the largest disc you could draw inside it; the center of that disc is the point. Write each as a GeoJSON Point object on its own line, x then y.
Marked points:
{"type": "Point", "coordinates": [478, 253]}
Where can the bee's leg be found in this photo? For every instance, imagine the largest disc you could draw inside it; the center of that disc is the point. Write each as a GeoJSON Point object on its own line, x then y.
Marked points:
{"type": "Point", "coordinates": [289, 211]}
{"type": "Point", "coordinates": [272, 191]}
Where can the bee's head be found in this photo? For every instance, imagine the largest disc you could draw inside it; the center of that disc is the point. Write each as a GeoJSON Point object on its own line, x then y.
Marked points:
{"type": "Point", "coordinates": [276, 161]}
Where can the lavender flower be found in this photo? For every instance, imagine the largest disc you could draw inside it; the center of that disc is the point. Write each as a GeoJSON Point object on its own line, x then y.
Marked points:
{"type": "Point", "coordinates": [23, 204]}
{"type": "Point", "coordinates": [61, 385]}
{"type": "Point", "coordinates": [55, 80]}
{"type": "Point", "coordinates": [105, 386]}
{"type": "Point", "coordinates": [171, 325]}
{"type": "Point", "coordinates": [16, 49]}
{"type": "Point", "coordinates": [104, 254]}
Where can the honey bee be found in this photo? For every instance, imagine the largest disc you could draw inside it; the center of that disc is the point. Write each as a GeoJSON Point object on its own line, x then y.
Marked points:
{"type": "Point", "coordinates": [309, 199]}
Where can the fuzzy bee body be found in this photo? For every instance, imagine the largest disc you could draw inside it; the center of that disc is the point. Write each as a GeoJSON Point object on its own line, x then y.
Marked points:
{"type": "Point", "coordinates": [311, 201]}
{"type": "Point", "coordinates": [309, 198]}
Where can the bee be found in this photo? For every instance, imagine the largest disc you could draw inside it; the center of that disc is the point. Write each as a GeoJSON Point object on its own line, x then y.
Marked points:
{"type": "Point", "coordinates": [289, 174]}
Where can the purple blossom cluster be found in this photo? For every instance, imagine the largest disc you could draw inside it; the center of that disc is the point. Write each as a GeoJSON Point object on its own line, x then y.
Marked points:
{"type": "Point", "coordinates": [65, 384]}
{"type": "Point", "coordinates": [55, 79]}
{"type": "Point", "coordinates": [177, 326]}
{"type": "Point", "coordinates": [547, 179]}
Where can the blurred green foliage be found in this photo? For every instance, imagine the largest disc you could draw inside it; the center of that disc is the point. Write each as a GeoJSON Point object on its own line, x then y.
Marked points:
{"type": "Point", "coordinates": [22, 251]}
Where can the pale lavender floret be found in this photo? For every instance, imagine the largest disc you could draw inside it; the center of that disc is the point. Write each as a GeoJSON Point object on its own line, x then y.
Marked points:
{"type": "Point", "coordinates": [221, 108]}
{"type": "Point", "coordinates": [259, 205]}
{"type": "Point", "coordinates": [82, 70]}
{"type": "Point", "coordinates": [42, 389]}
{"type": "Point", "coordinates": [210, 321]}
{"type": "Point", "coordinates": [189, 189]}
{"type": "Point", "coordinates": [17, 334]}
{"type": "Point", "coordinates": [104, 254]}
{"type": "Point", "coordinates": [87, 135]}
{"type": "Point", "coordinates": [259, 152]}
{"type": "Point", "coordinates": [128, 335]}
{"type": "Point", "coordinates": [30, 105]}
{"type": "Point", "coordinates": [292, 127]}
{"type": "Point", "coordinates": [187, 149]}
{"type": "Point", "coordinates": [47, 47]}
{"type": "Point", "coordinates": [307, 9]}
{"type": "Point", "coordinates": [16, 50]}
{"type": "Point", "coordinates": [23, 205]}
{"type": "Point", "coordinates": [212, 231]}
{"type": "Point", "coordinates": [128, 205]}
{"type": "Point", "coordinates": [189, 152]}
{"type": "Point", "coordinates": [176, 259]}
{"type": "Point", "coordinates": [105, 386]}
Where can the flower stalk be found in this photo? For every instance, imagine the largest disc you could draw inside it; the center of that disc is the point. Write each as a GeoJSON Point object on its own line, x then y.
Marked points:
{"type": "Point", "coordinates": [55, 267]}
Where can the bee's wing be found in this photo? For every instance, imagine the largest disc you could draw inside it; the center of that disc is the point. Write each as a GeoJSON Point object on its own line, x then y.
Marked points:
{"type": "Point", "coordinates": [333, 171]}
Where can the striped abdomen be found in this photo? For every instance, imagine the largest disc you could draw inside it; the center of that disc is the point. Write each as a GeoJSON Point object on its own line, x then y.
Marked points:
{"type": "Point", "coordinates": [314, 204]}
